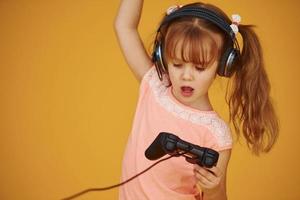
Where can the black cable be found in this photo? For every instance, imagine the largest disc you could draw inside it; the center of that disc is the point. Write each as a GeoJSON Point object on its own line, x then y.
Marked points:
{"type": "Point", "coordinates": [117, 185]}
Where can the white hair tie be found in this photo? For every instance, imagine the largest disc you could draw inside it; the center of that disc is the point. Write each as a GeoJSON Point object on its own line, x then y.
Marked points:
{"type": "Point", "coordinates": [173, 8]}
{"type": "Point", "coordinates": [236, 19]}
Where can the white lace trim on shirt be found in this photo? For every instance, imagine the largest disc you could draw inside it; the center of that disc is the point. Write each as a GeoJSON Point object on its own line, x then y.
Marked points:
{"type": "Point", "coordinates": [217, 126]}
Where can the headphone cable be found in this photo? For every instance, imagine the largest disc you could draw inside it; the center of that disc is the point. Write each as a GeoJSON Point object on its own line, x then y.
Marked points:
{"type": "Point", "coordinates": [117, 185]}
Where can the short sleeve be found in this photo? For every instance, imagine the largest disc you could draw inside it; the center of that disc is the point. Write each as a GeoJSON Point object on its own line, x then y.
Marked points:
{"type": "Point", "coordinates": [151, 78]}
{"type": "Point", "coordinates": [145, 80]}
{"type": "Point", "coordinates": [222, 135]}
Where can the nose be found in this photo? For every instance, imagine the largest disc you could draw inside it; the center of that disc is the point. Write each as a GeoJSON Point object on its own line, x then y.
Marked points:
{"type": "Point", "coordinates": [187, 74]}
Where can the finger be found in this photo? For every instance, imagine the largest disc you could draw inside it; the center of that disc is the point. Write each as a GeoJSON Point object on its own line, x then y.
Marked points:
{"type": "Point", "coordinates": [205, 174]}
{"type": "Point", "coordinates": [202, 180]}
{"type": "Point", "coordinates": [196, 166]}
{"type": "Point", "coordinates": [207, 182]}
{"type": "Point", "coordinates": [215, 170]}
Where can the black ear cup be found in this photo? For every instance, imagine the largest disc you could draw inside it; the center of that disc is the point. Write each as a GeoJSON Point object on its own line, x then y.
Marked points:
{"type": "Point", "coordinates": [232, 62]}
{"type": "Point", "coordinates": [227, 62]}
{"type": "Point", "coordinates": [157, 58]}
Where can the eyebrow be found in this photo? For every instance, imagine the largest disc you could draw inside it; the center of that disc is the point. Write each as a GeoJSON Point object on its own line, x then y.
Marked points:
{"type": "Point", "coordinates": [177, 59]}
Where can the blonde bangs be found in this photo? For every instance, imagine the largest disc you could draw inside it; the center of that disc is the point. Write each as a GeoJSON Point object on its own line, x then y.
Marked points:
{"type": "Point", "coordinates": [191, 44]}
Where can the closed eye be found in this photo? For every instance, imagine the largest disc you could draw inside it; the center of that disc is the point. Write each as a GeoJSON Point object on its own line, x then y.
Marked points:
{"type": "Point", "coordinates": [200, 68]}
{"type": "Point", "coordinates": [177, 64]}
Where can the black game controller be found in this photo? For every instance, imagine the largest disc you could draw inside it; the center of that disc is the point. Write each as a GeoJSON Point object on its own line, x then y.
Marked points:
{"type": "Point", "coordinates": [167, 143]}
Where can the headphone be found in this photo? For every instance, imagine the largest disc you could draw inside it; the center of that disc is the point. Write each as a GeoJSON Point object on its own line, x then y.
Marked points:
{"type": "Point", "coordinates": [228, 61]}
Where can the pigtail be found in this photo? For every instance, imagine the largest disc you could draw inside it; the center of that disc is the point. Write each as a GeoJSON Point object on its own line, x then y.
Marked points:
{"type": "Point", "coordinates": [250, 105]}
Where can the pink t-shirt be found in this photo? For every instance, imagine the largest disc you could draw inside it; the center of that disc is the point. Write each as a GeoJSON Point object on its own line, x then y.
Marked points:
{"type": "Point", "coordinates": [158, 111]}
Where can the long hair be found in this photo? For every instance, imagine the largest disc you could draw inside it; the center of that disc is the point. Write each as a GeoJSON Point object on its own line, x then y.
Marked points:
{"type": "Point", "coordinates": [250, 102]}
{"type": "Point", "coordinates": [248, 92]}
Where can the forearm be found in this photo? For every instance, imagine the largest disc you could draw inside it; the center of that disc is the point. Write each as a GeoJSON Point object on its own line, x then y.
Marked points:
{"type": "Point", "coordinates": [129, 14]}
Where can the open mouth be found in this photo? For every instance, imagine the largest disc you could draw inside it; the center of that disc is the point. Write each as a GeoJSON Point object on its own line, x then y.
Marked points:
{"type": "Point", "coordinates": [186, 91]}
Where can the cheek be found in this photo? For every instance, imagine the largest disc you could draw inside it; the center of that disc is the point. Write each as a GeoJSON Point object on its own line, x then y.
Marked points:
{"type": "Point", "coordinates": [172, 79]}
{"type": "Point", "coordinates": [172, 74]}
{"type": "Point", "coordinates": [210, 73]}
{"type": "Point", "coordinates": [206, 79]}
{"type": "Point", "coordinates": [214, 68]}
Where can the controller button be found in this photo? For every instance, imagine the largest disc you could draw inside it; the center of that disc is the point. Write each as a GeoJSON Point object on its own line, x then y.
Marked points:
{"type": "Point", "coordinates": [209, 161]}
{"type": "Point", "coordinates": [170, 147]}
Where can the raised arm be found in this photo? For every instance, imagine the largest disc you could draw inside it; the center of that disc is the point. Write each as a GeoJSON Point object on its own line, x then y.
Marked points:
{"type": "Point", "coordinates": [132, 47]}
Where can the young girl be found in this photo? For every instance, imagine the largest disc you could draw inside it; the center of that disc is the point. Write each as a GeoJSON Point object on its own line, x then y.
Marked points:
{"type": "Point", "coordinates": [194, 43]}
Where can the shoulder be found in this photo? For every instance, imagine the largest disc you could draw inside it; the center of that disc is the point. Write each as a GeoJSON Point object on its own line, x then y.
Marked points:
{"type": "Point", "coordinates": [151, 75]}
{"type": "Point", "coordinates": [151, 79]}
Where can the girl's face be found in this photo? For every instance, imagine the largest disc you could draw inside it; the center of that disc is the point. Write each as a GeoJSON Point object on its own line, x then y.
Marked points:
{"type": "Point", "coordinates": [190, 82]}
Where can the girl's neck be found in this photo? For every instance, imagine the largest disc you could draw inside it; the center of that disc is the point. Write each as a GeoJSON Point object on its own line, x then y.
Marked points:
{"type": "Point", "coordinates": [203, 104]}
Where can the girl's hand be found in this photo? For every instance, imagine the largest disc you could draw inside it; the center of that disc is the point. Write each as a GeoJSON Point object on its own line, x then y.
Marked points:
{"type": "Point", "coordinates": [212, 181]}
{"type": "Point", "coordinates": [208, 179]}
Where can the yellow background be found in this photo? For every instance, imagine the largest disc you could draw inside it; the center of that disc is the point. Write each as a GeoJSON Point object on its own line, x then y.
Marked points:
{"type": "Point", "coordinates": [68, 98]}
